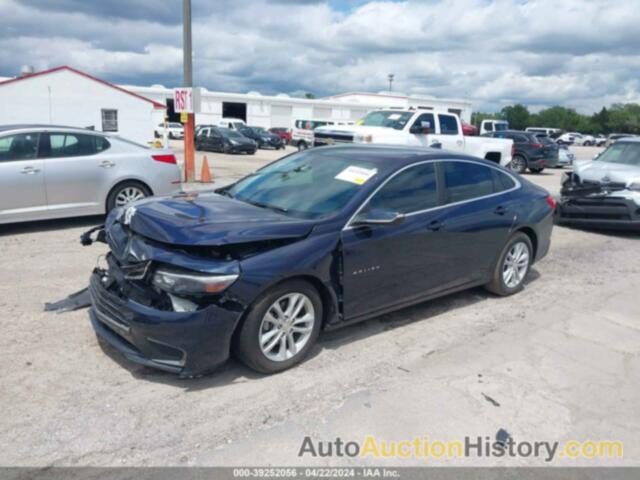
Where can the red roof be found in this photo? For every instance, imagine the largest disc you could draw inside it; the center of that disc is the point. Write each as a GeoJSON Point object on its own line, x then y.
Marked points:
{"type": "Point", "coordinates": [86, 75]}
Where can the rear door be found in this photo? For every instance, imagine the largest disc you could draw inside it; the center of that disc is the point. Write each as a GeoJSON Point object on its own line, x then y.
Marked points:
{"type": "Point", "coordinates": [214, 139]}
{"type": "Point", "coordinates": [22, 189]}
{"type": "Point", "coordinates": [477, 218]}
{"type": "Point", "coordinates": [78, 168]}
{"type": "Point", "coordinates": [450, 135]}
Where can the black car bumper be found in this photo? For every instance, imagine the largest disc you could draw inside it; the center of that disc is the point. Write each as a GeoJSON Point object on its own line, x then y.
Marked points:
{"type": "Point", "coordinates": [243, 149]}
{"type": "Point", "coordinates": [599, 211]}
{"type": "Point", "coordinates": [185, 343]}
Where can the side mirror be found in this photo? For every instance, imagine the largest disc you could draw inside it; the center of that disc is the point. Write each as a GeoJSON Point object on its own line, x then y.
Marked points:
{"type": "Point", "coordinates": [378, 217]}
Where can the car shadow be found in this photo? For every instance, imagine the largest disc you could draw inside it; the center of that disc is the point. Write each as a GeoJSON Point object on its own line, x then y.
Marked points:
{"type": "Point", "coordinates": [49, 225]}
{"type": "Point", "coordinates": [600, 231]}
{"type": "Point", "coordinates": [234, 372]}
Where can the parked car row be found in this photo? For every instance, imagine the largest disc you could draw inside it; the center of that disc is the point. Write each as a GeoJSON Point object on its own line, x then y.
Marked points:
{"type": "Point", "coordinates": [237, 137]}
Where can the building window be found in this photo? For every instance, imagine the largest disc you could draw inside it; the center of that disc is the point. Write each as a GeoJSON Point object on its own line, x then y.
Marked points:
{"type": "Point", "coordinates": [109, 120]}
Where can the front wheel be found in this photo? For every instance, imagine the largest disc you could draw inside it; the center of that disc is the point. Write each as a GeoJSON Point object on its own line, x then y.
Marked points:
{"type": "Point", "coordinates": [536, 170]}
{"type": "Point", "coordinates": [512, 266]}
{"type": "Point", "coordinates": [280, 328]}
{"type": "Point", "coordinates": [518, 164]}
{"type": "Point", "coordinates": [302, 146]}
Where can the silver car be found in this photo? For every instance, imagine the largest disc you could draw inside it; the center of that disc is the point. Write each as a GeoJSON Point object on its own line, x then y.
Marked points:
{"type": "Point", "coordinates": [604, 192]}
{"type": "Point", "coordinates": [54, 172]}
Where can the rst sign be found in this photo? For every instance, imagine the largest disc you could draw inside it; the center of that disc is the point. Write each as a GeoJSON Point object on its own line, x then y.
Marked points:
{"type": "Point", "coordinates": [186, 99]}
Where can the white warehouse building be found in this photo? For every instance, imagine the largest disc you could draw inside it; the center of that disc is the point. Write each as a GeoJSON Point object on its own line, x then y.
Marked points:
{"type": "Point", "coordinates": [66, 96]}
{"type": "Point", "coordinates": [282, 110]}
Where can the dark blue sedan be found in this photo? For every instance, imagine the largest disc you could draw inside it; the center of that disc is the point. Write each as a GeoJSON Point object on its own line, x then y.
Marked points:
{"type": "Point", "coordinates": [316, 240]}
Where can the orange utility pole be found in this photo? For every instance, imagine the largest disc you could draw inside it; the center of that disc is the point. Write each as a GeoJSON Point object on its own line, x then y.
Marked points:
{"type": "Point", "coordinates": [189, 126]}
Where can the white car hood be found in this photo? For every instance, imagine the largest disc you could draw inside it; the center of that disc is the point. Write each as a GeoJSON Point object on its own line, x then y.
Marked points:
{"type": "Point", "coordinates": [605, 172]}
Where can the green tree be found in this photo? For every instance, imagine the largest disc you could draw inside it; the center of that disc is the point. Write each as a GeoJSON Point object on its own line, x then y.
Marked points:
{"type": "Point", "coordinates": [309, 95]}
{"type": "Point", "coordinates": [517, 115]}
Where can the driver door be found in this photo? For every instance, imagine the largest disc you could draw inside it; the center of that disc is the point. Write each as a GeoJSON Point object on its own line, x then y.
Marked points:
{"type": "Point", "coordinates": [386, 265]}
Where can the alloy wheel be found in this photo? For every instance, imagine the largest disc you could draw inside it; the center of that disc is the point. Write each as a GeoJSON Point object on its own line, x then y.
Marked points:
{"type": "Point", "coordinates": [516, 265]}
{"type": "Point", "coordinates": [518, 164]}
{"type": "Point", "coordinates": [286, 327]}
{"type": "Point", "coordinates": [128, 195]}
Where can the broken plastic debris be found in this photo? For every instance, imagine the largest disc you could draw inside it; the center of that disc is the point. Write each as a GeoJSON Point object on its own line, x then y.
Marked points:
{"type": "Point", "coordinates": [75, 301]}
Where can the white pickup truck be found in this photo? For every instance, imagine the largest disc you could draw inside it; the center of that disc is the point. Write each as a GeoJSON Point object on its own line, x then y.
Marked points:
{"type": "Point", "coordinates": [416, 127]}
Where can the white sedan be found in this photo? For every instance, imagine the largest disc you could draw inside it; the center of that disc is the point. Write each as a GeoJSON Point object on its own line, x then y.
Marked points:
{"type": "Point", "coordinates": [54, 172]}
{"type": "Point", "coordinates": [174, 130]}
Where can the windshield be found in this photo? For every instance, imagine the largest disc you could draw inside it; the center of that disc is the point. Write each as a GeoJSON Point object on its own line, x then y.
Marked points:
{"type": "Point", "coordinates": [175, 125]}
{"type": "Point", "coordinates": [258, 129]}
{"type": "Point", "coordinates": [627, 153]}
{"type": "Point", "coordinates": [501, 126]}
{"type": "Point", "coordinates": [391, 119]}
{"type": "Point", "coordinates": [544, 138]}
{"type": "Point", "coordinates": [228, 133]}
{"type": "Point", "coordinates": [309, 184]}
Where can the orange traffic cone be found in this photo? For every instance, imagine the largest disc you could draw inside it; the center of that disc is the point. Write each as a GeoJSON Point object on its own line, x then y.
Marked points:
{"type": "Point", "coordinates": [205, 174]}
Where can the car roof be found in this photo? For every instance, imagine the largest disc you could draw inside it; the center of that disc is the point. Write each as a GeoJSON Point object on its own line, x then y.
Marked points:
{"type": "Point", "coordinates": [34, 126]}
{"type": "Point", "coordinates": [398, 155]}
{"type": "Point", "coordinates": [630, 139]}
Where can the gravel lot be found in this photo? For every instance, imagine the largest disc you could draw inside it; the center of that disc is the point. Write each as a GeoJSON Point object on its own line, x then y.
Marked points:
{"type": "Point", "coordinates": [559, 361]}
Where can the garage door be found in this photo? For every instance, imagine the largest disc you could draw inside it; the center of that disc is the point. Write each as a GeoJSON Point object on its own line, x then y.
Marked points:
{"type": "Point", "coordinates": [281, 116]}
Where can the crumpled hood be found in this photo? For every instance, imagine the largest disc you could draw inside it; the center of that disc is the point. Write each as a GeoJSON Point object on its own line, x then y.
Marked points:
{"type": "Point", "coordinates": [209, 219]}
{"type": "Point", "coordinates": [595, 171]}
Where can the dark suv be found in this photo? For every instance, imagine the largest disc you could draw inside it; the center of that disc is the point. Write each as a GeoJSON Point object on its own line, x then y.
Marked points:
{"type": "Point", "coordinates": [531, 152]}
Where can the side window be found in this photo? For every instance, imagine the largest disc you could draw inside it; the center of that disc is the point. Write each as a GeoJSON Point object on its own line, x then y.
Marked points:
{"type": "Point", "coordinates": [109, 120]}
{"type": "Point", "coordinates": [501, 181]}
{"type": "Point", "coordinates": [448, 125]}
{"type": "Point", "coordinates": [23, 146]}
{"type": "Point", "coordinates": [519, 139]}
{"type": "Point", "coordinates": [466, 180]}
{"type": "Point", "coordinates": [412, 190]}
{"type": "Point", "coordinates": [74, 145]}
{"type": "Point", "coordinates": [425, 117]}
{"type": "Point", "coordinates": [488, 127]}
{"type": "Point", "coordinates": [213, 133]}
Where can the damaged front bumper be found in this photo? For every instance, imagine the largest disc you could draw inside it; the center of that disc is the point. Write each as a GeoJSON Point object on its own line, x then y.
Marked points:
{"type": "Point", "coordinates": [143, 322]}
{"type": "Point", "coordinates": [598, 206]}
{"type": "Point", "coordinates": [185, 343]}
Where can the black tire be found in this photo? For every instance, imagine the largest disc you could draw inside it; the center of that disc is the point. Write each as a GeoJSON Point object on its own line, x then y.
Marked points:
{"type": "Point", "coordinates": [226, 149]}
{"type": "Point", "coordinates": [121, 187]}
{"type": "Point", "coordinates": [247, 345]}
{"type": "Point", "coordinates": [497, 284]}
{"type": "Point", "coordinates": [518, 164]}
{"type": "Point", "coordinates": [302, 146]}
{"type": "Point", "coordinates": [536, 170]}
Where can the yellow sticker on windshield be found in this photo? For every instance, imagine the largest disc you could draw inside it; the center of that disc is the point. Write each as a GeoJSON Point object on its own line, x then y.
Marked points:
{"type": "Point", "coordinates": [357, 175]}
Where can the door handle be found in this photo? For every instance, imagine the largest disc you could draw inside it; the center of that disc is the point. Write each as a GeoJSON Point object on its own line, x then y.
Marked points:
{"type": "Point", "coordinates": [107, 164]}
{"type": "Point", "coordinates": [500, 210]}
{"type": "Point", "coordinates": [435, 225]}
{"type": "Point", "coordinates": [29, 170]}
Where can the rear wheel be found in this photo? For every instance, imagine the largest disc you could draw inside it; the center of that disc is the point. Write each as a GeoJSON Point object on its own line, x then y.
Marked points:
{"type": "Point", "coordinates": [302, 146]}
{"type": "Point", "coordinates": [536, 170]}
{"type": "Point", "coordinates": [518, 164]}
{"type": "Point", "coordinates": [125, 193]}
{"type": "Point", "coordinates": [512, 266]}
{"type": "Point", "coordinates": [281, 327]}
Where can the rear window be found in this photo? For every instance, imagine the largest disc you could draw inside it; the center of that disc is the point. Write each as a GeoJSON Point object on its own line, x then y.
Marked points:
{"type": "Point", "coordinates": [466, 180]}
{"type": "Point", "coordinates": [75, 144]}
{"type": "Point", "coordinates": [448, 125]}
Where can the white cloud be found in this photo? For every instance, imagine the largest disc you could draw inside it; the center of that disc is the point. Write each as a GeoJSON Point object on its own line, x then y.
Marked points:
{"type": "Point", "coordinates": [575, 53]}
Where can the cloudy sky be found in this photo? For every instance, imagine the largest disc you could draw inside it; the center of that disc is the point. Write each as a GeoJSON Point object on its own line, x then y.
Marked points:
{"type": "Point", "coordinates": [578, 53]}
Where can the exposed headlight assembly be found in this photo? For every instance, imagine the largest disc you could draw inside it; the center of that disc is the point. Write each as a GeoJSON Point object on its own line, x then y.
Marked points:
{"type": "Point", "coordinates": [634, 184]}
{"type": "Point", "coordinates": [192, 283]}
